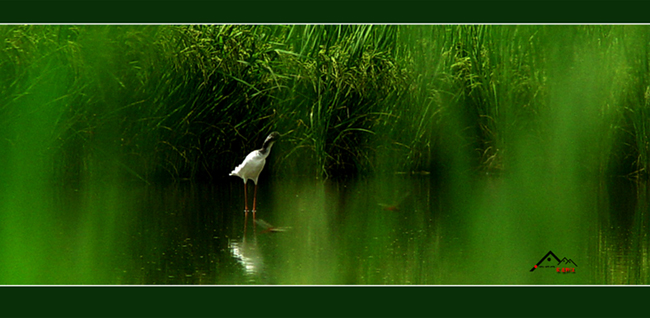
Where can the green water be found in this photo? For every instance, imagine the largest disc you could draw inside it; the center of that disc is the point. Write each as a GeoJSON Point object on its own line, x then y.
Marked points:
{"type": "Point", "coordinates": [397, 229]}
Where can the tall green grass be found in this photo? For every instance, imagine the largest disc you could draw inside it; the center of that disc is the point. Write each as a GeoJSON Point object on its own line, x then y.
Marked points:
{"type": "Point", "coordinates": [188, 102]}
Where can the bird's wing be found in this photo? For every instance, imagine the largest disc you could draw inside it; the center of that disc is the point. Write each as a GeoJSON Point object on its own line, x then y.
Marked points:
{"type": "Point", "coordinates": [248, 161]}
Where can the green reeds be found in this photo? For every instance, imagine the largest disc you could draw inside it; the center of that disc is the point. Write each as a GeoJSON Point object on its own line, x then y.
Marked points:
{"type": "Point", "coordinates": [341, 80]}
{"type": "Point", "coordinates": [188, 102]}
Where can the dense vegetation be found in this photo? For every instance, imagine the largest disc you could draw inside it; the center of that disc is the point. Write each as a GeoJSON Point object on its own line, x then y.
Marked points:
{"type": "Point", "coordinates": [160, 102]}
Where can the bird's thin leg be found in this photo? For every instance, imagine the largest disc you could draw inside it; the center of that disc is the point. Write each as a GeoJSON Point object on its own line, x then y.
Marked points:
{"type": "Point", "coordinates": [245, 199]}
{"type": "Point", "coordinates": [255, 201]}
{"type": "Point", "coordinates": [254, 209]}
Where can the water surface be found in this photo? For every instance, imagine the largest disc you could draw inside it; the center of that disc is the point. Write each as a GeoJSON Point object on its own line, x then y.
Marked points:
{"type": "Point", "coordinates": [394, 229]}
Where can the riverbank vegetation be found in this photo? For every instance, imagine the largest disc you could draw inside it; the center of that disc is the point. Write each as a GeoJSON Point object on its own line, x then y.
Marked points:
{"type": "Point", "coordinates": [188, 102]}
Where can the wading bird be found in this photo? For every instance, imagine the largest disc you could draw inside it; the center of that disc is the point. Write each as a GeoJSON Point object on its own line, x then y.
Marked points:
{"type": "Point", "coordinates": [253, 165]}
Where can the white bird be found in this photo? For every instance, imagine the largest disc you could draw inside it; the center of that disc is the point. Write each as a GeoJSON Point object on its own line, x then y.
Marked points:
{"type": "Point", "coordinates": [253, 165]}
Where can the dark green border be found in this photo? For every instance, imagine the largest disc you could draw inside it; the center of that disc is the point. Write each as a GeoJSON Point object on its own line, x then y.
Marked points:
{"type": "Point", "coordinates": [319, 11]}
{"type": "Point", "coordinates": [322, 301]}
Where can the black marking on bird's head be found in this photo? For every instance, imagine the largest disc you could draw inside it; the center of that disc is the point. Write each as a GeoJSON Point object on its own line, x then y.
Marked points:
{"type": "Point", "coordinates": [274, 136]}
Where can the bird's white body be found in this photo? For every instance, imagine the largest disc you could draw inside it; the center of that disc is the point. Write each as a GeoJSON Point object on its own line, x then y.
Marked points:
{"type": "Point", "coordinates": [252, 166]}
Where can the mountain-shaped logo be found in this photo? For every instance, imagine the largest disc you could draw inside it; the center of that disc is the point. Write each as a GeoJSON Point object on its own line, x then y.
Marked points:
{"type": "Point", "coordinates": [550, 260]}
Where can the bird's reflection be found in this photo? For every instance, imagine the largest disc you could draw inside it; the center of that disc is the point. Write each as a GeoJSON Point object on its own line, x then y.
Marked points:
{"type": "Point", "coordinates": [248, 253]}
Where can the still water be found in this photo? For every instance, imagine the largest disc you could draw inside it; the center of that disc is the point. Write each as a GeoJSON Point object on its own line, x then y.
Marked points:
{"type": "Point", "coordinates": [395, 229]}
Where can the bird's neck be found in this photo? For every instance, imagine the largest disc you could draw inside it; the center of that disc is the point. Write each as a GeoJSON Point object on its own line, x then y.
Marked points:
{"type": "Point", "coordinates": [266, 148]}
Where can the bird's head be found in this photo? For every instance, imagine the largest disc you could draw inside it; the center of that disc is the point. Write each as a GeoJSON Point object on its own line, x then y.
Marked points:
{"type": "Point", "coordinates": [274, 136]}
